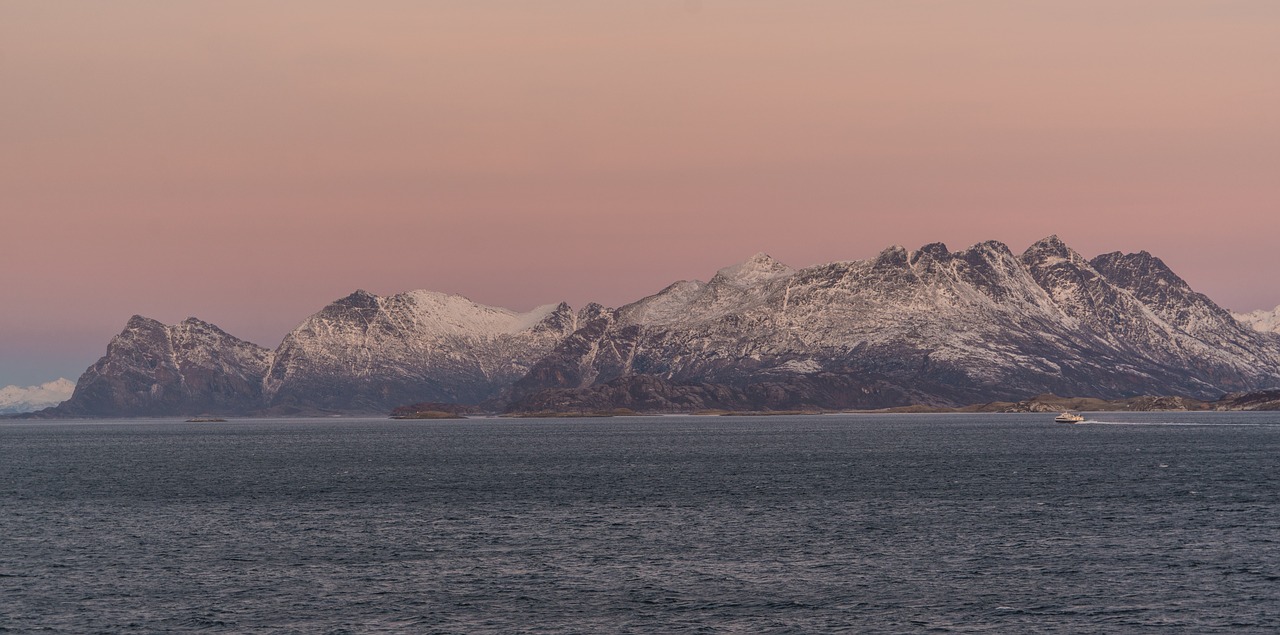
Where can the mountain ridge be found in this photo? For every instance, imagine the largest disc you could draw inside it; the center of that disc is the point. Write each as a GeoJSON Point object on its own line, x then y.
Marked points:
{"type": "Point", "coordinates": [930, 326]}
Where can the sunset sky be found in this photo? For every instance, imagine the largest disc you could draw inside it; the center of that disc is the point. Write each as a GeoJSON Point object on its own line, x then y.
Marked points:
{"type": "Point", "coordinates": [248, 162]}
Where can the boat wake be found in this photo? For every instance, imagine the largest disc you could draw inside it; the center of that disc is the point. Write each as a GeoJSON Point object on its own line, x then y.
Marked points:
{"type": "Point", "coordinates": [1197, 424]}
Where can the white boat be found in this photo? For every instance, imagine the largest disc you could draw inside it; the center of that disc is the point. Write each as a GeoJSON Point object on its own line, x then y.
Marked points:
{"type": "Point", "coordinates": [1067, 417]}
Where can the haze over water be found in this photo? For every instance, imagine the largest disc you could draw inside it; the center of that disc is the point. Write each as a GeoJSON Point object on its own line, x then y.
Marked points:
{"type": "Point", "coordinates": [1155, 522]}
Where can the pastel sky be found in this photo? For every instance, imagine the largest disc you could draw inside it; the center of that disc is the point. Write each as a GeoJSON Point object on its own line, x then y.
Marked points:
{"type": "Point", "coordinates": [247, 162]}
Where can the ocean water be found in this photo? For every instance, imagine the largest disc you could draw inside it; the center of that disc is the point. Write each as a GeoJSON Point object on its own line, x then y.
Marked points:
{"type": "Point", "coordinates": [1159, 523]}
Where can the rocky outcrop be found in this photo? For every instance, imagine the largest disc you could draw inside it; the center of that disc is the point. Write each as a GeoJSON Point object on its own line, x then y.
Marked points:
{"type": "Point", "coordinates": [1257, 400]}
{"type": "Point", "coordinates": [434, 410]}
{"type": "Point", "coordinates": [151, 369]}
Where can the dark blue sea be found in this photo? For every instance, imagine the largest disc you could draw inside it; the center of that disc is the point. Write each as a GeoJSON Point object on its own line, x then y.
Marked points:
{"type": "Point", "coordinates": [1155, 523]}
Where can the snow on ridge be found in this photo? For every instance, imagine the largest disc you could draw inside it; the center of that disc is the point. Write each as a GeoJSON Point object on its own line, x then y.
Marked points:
{"type": "Point", "coordinates": [447, 314]}
{"type": "Point", "coordinates": [534, 316]}
{"type": "Point", "coordinates": [801, 367]}
{"type": "Point", "coordinates": [733, 288]}
{"type": "Point", "coordinates": [1261, 320]}
{"type": "Point", "coordinates": [1050, 261]}
{"type": "Point", "coordinates": [14, 399]}
{"type": "Point", "coordinates": [666, 306]}
{"type": "Point", "coordinates": [756, 269]}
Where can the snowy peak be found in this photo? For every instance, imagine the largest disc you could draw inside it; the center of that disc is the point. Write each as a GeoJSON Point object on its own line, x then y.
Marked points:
{"type": "Point", "coordinates": [992, 249]}
{"type": "Point", "coordinates": [359, 299]}
{"type": "Point", "coordinates": [744, 284]}
{"type": "Point", "coordinates": [435, 314]}
{"type": "Point", "coordinates": [16, 399]}
{"type": "Point", "coordinates": [1068, 278]}
{"type": "Point", "coordinates": [144, 329]}
{"type": "Point", "coordinates": [142, 324]}
{"type": "Point", "coordinates": [892, 257]}
{"type": "Point", "coordinates": [1154, 284]}
{"type": "Point", "coordinates": [560, 319]}
{"type": "Point", "coordinates": [137, 321]}
{"type": "Point", "coordinates": [1050, 251]}
{"type": "Point", "coordinates": [756, 269]}
{"type": "Point", "coordinates": [1050, 243]}
{"type": "Point", "coordinates": [444, 314]}
{"type": "Point", "coordinates": [1104, 309]}
{"type": "Point", "coordinates": [1141, 266]}
{"type": "Point", "coordinates": [370, 353]}
{"type": "Point", "coordinates": [931, 251]}
{"type": "Point", "coordinates": [592, 311]}
{"type": "Point", "coordinates": [982, 254]}
{"type": "Point", "coordinates": [1261, 320]}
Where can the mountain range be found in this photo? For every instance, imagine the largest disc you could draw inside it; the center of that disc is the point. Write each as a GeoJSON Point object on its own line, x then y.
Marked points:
{"type": "Point", "coordinates": [929, 326]}
{"type": "Point", "coordinates": [15, 399]}
{"type": "Point", "coordinates": [1265, 321]}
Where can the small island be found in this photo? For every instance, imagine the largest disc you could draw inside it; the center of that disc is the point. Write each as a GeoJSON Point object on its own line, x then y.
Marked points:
{"type": "Point", "coordinates": [434, 410]}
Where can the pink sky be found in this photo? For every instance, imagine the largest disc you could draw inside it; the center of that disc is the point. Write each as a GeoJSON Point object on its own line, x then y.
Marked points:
{"type": "Point", "coordinates": [248, 162]}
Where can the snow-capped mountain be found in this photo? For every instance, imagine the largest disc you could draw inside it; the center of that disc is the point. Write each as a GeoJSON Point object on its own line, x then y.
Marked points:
{"type": "Point", "coordinates": [928, 326]}
{"type": "Point", "coordinates": [14, 399]}
{"type": "Point", "coordinates": [366, 352]}
{"type": "Point", "coordinates": [1261, 320]}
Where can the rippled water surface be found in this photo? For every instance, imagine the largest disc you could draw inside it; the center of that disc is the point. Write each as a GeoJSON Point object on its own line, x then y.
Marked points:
{"type": "Point", "coordinates": [1154, 523]}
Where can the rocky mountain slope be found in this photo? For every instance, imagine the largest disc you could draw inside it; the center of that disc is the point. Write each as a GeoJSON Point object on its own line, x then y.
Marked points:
{"type": "Point", "coordinates": [929, 326]}
{"type": "Point", "coordinates": [151, 369]}
{"type": "Point", "coordinates": [1257, 400]}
